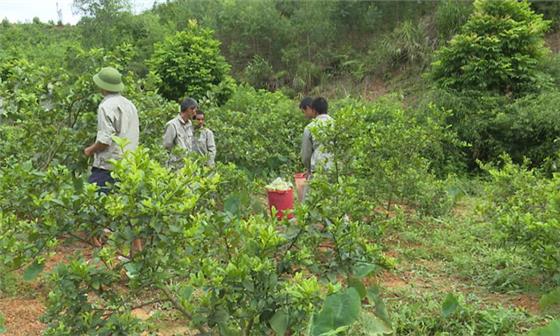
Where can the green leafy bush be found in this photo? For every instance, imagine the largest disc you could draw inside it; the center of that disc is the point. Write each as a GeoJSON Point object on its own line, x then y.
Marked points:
{"type": "Point", "coordinates": [263, 274]}
{"type": "Point", "coordinates": [190, 64]}
{"type": "Point", "coordinates": [498, 50]}
{"type": "Point", "coordinates": [260, 74]}
{"type": "Point", "coordinates": [549, 9]}
{"type": "Point", "coordinates": [450, 16]}
{"type": "Point", "coordinates": [529, 128]}
{"type": "Point", "coordinates": [65, 101]}
{"type": "Point", "coordinates": [385, 143]}
{"type": "Point", "coordinates": [258, 131]}
{"type": "Point", "coordinates": [524, 205]}
{"type": "Point", "coordinates": [526, 127]}
{"type": "Point", "coordinates": [408, 45]}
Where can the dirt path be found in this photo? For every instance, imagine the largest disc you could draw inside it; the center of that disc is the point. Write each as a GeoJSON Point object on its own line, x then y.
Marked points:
{"type": "Point", "coordinates": [22, 316]}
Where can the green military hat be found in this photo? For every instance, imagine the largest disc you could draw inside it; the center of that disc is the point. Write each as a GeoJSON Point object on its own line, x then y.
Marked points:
{"type": "Point", "coordinates": [109, 79]}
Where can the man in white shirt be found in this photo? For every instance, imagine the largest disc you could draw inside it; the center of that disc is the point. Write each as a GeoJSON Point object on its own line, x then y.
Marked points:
{"type": "Point", "coordinates": [116, 116]}
{"type": "Point", "coordinates": [179, 132]}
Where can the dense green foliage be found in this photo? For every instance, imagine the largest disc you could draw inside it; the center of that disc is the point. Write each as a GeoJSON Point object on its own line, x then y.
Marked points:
{"type": "Point", "coordinates": [214, 259]}
{"type": "Point", "coordinates": [190, 65]}
{"type": "Point", "coordinates": [272, 272]}
{"type": "Point", "coordinates": [495, 76]}
{"type": "Point", "coordinates": [498, 50]}
{"type": "Point", "coordinates": [526, 127]}
{"type": "Point", "coordinates": [260, 131]}
{"type": "Point", "coordinates": [524, 206]}
{"type": "Point", "coordinates": [365, 148]}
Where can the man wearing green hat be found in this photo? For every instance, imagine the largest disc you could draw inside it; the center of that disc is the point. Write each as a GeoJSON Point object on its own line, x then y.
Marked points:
{"type": "Point", "coordinates": [116, 116]}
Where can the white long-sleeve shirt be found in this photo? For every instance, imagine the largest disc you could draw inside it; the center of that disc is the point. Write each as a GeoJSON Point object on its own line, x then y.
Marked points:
{"type": "Point", "coordinates": [204, 144]}
{"type": "Point", "coordinates": [312, 152]}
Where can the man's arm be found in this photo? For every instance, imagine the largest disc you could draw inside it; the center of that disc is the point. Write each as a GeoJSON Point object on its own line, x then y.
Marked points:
{"type": "Point", "coordinates": [306, 149]}
{"type": "Point", "coordinates": [169, 137]}
{"type": "Point", "coordinates": [105, 132]}
{"type": "Point", "coordinates": [211, 145]}
{"type": "Point", "coordinates": [95, 148]}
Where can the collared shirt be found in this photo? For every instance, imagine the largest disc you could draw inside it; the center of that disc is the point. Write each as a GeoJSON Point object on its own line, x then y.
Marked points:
{"type": "Point", "coordinates": [204, 144]}
{"type": "Point", "coordinates": [312, 153]}
{"type": "Point", "coordinates": [178, 133]}
{"type": "Point", "coordinates": [116, 116]}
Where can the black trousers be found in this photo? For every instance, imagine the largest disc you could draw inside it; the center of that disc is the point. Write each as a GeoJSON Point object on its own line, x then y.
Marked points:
{"type": "Point", "coordinates": [101, 177]}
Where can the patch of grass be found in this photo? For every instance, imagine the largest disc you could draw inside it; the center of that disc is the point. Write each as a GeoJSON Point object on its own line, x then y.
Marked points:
{"type": "Point", "coordinates": [470, 249]}
{"type": "Point", "coordinates": [497, 288]}
{"type": "Point", "coordinates": [420, 313]}
{"type": "Point", "coordinates": [8, 284]}
{"type": "Point", "coordinates": [12, 285]}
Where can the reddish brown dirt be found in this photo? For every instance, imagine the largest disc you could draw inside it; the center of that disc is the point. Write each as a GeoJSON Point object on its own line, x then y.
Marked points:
{"type": "Point", "coordinates": [524, 301]}
{"type": "Point", "coordinates": [530, 303]}
{"type": "Point", "coordinates": [22, 316]}
{"type": "Point", "coordinates": [387, 279]}
{"type": "Point", "coordinates": [62, 254]}
{"type": "Point", "coordinates": [22, 313]}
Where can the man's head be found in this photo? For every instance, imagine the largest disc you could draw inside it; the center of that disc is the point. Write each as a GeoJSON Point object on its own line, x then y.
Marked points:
{"type": "Point", "coordinates": [305, 106]}
{"type": "Point", "coordinates": [188, 108]}
{"type": "Point", "coordinates": [199, 117]}
{"type": "Point", "coordinates": [109, 80]}
{"type": "Point", "coordinates": [320, 105]}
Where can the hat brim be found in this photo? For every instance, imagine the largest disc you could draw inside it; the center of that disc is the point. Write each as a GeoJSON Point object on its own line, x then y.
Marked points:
{"type": "Point", "coordinates": [107, 86]}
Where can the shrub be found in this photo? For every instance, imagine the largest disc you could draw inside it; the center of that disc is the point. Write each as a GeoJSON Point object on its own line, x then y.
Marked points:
{"type": "Point", "coordinates": [387, 150]}
{"type": "Point", "coordinates": [450, 16]}
{"type": "Point", "coordinates": [258, 131]}
{"type": "Point", "coordinates": [524, 207]}
{"type": "Point", "coordinates": [190, 64]}
{"type": "Point", "coordinates": [222, 272]}
{"type": "Point", "coordinates": [549, 9]}
{"type": "Point", "coordinates": [526, 127]}
{"type": "Point", "coordinates": [408, 45]}
{"type": "Point", "coordinates": [529, 127]}
{"type": "Point", "coordinates": [499, 50]}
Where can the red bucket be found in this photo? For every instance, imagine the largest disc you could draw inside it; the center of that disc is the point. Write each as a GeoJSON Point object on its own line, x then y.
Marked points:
{"type": "Point", "coordinates": [282, 201]}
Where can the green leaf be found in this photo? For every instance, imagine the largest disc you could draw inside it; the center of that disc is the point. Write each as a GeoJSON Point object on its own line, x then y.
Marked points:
{"type": "Point", "coordinates": [186, 292]}
{"type": "Point", "coordinates": [279, 322]}
{"type": "Point", "coordinates": [339, 311]}
{"type": "Point", "coordinates": [231, 204]}
{"type": "Point", "coordinates": [380, 309]}
{"type": "Point", "coordinates": [552, 329]}
{"type": "Point", "coordinates": [335, 332]}
{"type": "Point", "coordinates": [550, 299]}
{"type": "Point", "coordinates": [358, 286]}
{"type": "Point", "coordinates": [364, 269]}
{"type": "Point", "coordinates": [33, 271]}
{"type": "Point", "coordinates": [450, 305]}
{"type": "Point", "coordinates": [174, 228]}
{"type": "Point", "coordinates": [373, 325]}
{"type": "Point", "coordinates": [219, 316]}
{"type": "Point", "coordinates": [131, 269]}
{"type": "Point", "coordinates": [228, 331]}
